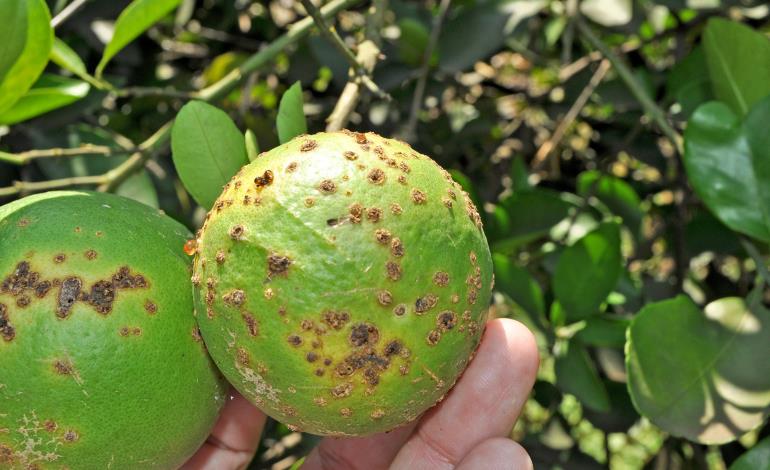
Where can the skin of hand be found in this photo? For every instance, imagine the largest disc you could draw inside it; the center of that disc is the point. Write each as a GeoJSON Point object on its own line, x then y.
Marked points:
{"type": "Point", "coordinates": [467, 430]}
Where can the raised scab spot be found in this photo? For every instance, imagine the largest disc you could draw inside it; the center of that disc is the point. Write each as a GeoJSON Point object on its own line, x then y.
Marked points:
{"type": "Point", "coordinates": [342, 390]}
{"type": "Point", "coordinates": [418, 196]}
{"type": "Point", "coordinates": [292, 166]}
{"type": "Point", "coordinates": [346, 412]}
{"type": "Point", "coordinates": [243, 357]}
{"type": "Point", "coordinates": [384, 297]}
{"type": "Point", "coordinates": [402, 179]}
{"type": "Point", "coordinates": [7, 331]}
{"type": "Point", "coordinates": [397, 247]}
{"type": "Point", "coordinates": [374, 214]}
{"type": "Point", "coordinates": [265, 180]}
{"type": "Point", "coordinates": [350, 155]}
{"type": "Point", "coordinates": [393, 270]}
{"type": "Point", "coordinates": [360, 138]}
{"type": "Point", "coordinates": [150, 307]}
{"type": "Point", "coordinates": [395, 208]}
{"type": "Point", "coordinates": [394, 347]}
{"type": "Point", "coordinates": [433, 337]}
{"type": "Point", "coordinates": [220, 257]}
{"type": "Point", "coordinates": [377, 413]}
{"type": "Point", "coordinates": [376, 176]}
{"type": "Point", "coordinates": [382, 236]}
{"type": "Point", "coordinates": [309, 201]}
{"type": "Point", "coordinates": [60, 258]}
{"type": "Point", "coordinates": [63, 367]}
{"type": "Point", "coordinates": [446, 320]}
{"type": "Point", "coordinates": [364, 334]}
{"type": "Point", "coordinates": [356, 211]}
{"type": "Point", "coordinates": [308, 145]}
{"type": "Point", "coordinates": [327, 187]}
{"type": "Point", "coordinates": [404, 167]}
{"type": "Point", "coordinates": [71, 436]}
{"type": "Point", "coordinates": [234, 298]}
{"type": "Point", "coordinates": [294, 340]}
{"type": "Point", "coordinates": [278, 265]}
{"type": "Point", "coordinates": [425, 303]}
{"type": "Point", "coordinates": [68, 295]}
{"type": "Point", "coordinates": [441, 278]}
{"type": "Point", "coordinates": [311, 356]}
{"type": "Point", "coordinates": [237, 232]}
{"type": "Point", "coordinates": [335, 320]}
{"type": "Point", "coordinates": [447, 202]}
{"type": "Point", "coordinates": [400, 310]}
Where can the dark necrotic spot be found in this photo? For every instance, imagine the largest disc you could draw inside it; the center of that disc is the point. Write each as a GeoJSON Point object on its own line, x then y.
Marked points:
{"type": "Point", "coordinates": [102, 296]}
{"type": "Point", "coordinates": [265, 180]}
{"type": "Point", "coordinates": [425, 303]}
{"type": "Point", "coordinates": [22, 301]}
{"type": "Point", "coordinates": [7, 331]}
{"type": "Point", "coordinates": [393, 270]}
{"type": "Point", "coordinates": [327, 186]}
{"type": "Point", "coordinates": [335, 320]}
{"type": "Point", "coordinates": [220, 257]}
{"type": "Point", "coordinates": [311, 356]}
{"type": "Point", "coordinates": [42, 288]}
{"type": "Point", "coordinates": [433, 337]}
{"type": "Point", "coordinates": [364, 334]}
{"type": "Point", "coordinates": [393, 348]}
{"type": "Point", "coordinates": [63, 367]}
{"type": "Point", "coordinates": [234, 298]}
{"type": "Point", "coordinates": [278, 265]}
{"type": "Point", "coordinates": [253, 326]}
{"type": "Point", "coordinates": [371, 376]}
{"type": "Point", "coordinates": [236, 232]}
{"type": "Point", "coordinates": [91, 255]}
{"type": "Point", "coordinates": [68, 295]}
{"type": "Point", "coordinates": [397, 247]}
{"type": "Point", "coordinates": [376, 176]}
{"type": "Point", "coordinates": [446, 320]}
{"type": "Point", "coordinates": [399, 310]}
{"type": "Point", "coordinates": [123, 279]}
{"type": "Point", "coordinates": [308, 145]}
{"type": "Point", "coordinates": [294, 340]}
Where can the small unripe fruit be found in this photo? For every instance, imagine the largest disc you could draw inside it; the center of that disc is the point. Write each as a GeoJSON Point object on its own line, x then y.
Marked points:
{"type": "Point", "coordinates": [342, 283]}
{"type": "Point", "coordinates": [101, 362]}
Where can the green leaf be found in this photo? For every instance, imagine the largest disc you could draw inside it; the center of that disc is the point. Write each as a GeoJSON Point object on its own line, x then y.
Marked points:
{"type": "Point", "coordinates": [616, 194]}
{"type": "Point", "coordinates": [48, 93]}
{"type": "Point", "coordinates": [576, 374]}
{"type": "Point", "coordinates": [519, 285]}
{"type": "Point", "coordinates": [33, 59]}
{"type": "Point", "coordinates": [587, 272]}
{"type": "Point", "coordinates": [139, 187]}
{"type": "Point", "coordinates": [133, 21]}
{"type": "Point", "coordinates": [756, 458]}
{"type": "Point", "coordinates": [291, 116]}
{"type": "Point", "coordinates": [756, 130]}
{"type": "Point", "coordinates": [718, 160]}
{"type": "Point", "coordinates": [532, 214]}
{"type": "Point", "coordinates": [207, 150]}
{"type": "Point", "coordinates": [688, 82]}
{"type": "Point", "coordinates": [519, 175]}
{"type": "Point", "coordinates": [252, 145]}
{"type": "Point", "coordinates": [13, 36]}
{"type": "Point", "coordinates": [63, 56]}
{"type": "Point", "coordinates": [412, 41]}
{"type": "Point", "coordinates": [738, 59]}
{"type": "Point", "coordinates": [702, 375]}
{"type": "Point", "coordinates": [604, 331]}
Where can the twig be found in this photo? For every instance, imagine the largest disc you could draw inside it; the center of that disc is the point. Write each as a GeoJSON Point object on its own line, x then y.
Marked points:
{"type": "Point", "coordinates": [367, 54]}
{"type": "Point", "coordinates": [409, 132]}
{"type": "Point", "coordinates": [657, 114]}
{"type": "Point", "coordinates": [67, 12]}
{"type": "Point", "coordinates": [113, 178]}
{"type": "Point", "coordinates": [25, 157]}
{"type": "Point", "coordinates": [548, 146]}
{"type": "Point", "coordinates": [330, 33]}
{"type": "Point", "coordinates": [753, 252]}
{"type": "Point", "coordinates": [140, 92]}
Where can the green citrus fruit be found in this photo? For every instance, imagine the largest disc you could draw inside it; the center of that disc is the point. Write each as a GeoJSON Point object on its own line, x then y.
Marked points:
{"type": "Point", "coordinates": [101, 362]}
{"type": "Point", "coordinates": [343, 281]}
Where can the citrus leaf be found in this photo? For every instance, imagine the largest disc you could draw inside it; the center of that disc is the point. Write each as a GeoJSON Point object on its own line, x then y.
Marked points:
{"type": "Point", "coordinates": [756, 458]}
{"type": "Point", "coordinates": [738, 59]}
{"type": "Point", "coordinates": [532, 214]}
{"type": "Point", "coordinates": [576, 374]}
{"type": "Point", "coordinates": [291, 116]}
{"type": "Point", "coordinates": [252, 145]}
{"type": "Point", "coordinates": [755, 128]}
{"type": "Point", "coordinates": [48, 93]}
{"type": "Point", "coordinates": [207, 150]}
{"type": "Point", "coordinates": [587, 272]}
{"type": "Point", "coordinates": [33, 59]}
{"type": "Point", "coordinates": [63, 56]}
{"type": "Point", "coordinates": [702, 375]}
{"type": "Point", "coordinates": [13, 36]}
{"type": "Point", "coordinates": [616, 194]}
{"type": "Point", "coordinates": [718, 160]}
{"type": "Point", "coordinates": [688, 82]}
{"type": "Point", "coordinates": [519, 285]}
{"type": "Point", "coordinates": [133, 21]}
{"type": "Point", "coordinates": [604, 331]}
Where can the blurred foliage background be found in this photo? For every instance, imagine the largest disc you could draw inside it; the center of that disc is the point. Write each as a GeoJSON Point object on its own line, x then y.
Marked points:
{"type": "Point", "coordinates": [562, 119]}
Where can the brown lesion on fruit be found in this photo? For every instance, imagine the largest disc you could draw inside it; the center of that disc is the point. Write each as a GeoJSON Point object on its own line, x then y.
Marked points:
{"type": "Point", "coordinates": [346, 412]}
{"type": "Point", "coordinates": [402, 179]}
{"type": "Point", "coordinates": [446, 320]}
{"type": "Point", "coordinates": [360, 138]}
{"type": "Point", "coordinates": [246, 199]}
{"type": "Point", "coordinates": [308, 145]}
{"type": "Point", "coordinates": [126, 331]}
{"type": "Point", "coordinates": [382, 236]}
{"type": "Point", "coordinates": [91, 255]}
{"type": "Point", "coordinates": [396, 209]}
{"type": "Point", "coordinates": [342, 390]}
{"type": "Point", "coordinates": [393, 348]}
{"type": "Point", "coordinates": [419, 196]}
{"type": "Point", "coordinates": [7, 331]}
{"type": "Point", "coordinates": [311, 356]}
{"type": "Point", "coordinates": [60, 258]}
{"type": "Point", "coordinates": [327, 186]}
{"type": "Point", "coordinates": [350, 155]}
{"type": "Point", "coordinates": [441, 278]}
{"type": "Point", "coordinates": [234, 298]}
{"type": "Point", "coordinates": [22, 222]}
{"type": "Point", "coordinates": [397, 247]}
{"type": "Point", "coordinates": [399, 310]}
{"type": "Point", "coordinates": [237, 232]}
{"type": "Point", "coordinates": [376, 176]}
{"type": "Point", "coordinates": [69, 291]}
{"type": "Point", "coordinates": [447, 202]}
{"type": "Point", "coordinates": [434, 336]}
{"type": "Point", "coordinates": [243, 357]}
{"type": "Point", "coordinates": [377, 413]}
{"type": "Point", "coordinates": [70, 436]}
{"type": "Point", "coordinates": [309, 201]}
{"type": "Point", "coordinates": [50, 425]}
{"type": "Point", "coordinates": [364, 334]}
{"type": "Point", "coordinates": [454, 298]}
{"type": "Point", "coordinates": [403, 166]}
{"type": "Point", "coordinates": [373, 214]}
{"type": "Point", "coordinates": [384, 297]}
{"type": "Point", "coordinates": [277, 265]}
{"type": "Point", "coordinates": [265, 180]}
{"type": "Point", "coordinates": [7, 455]}
{"type": "Point", "coordinates": [220, 257]}
{"type": "Point", "coordinates": [425, 303]}
{"type": "Point", "coordinates": [196, 334]}
{"type": "Point", "coordinates": [393, 270]}
{"type": "Point", "coordinates": [294, 340]}
{"type": "Point", "coordinates": [320, 401]}
{"type": "Point", "coordinates": [335, 319]}
{"type": "Point", "coordinates": [356, 211]}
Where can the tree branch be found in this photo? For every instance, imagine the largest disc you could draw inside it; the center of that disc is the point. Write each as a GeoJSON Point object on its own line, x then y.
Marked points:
{"type": "Point", "coordinates": [410, 129]}
{"type": "Point", "coordinates": [636, 88]}
{"type": "Point", "coordinates": [68, 11]}
{"type": "Point", "coordinates": [25, 157]}
{"type": "Point", "coordinates": [113, 178]}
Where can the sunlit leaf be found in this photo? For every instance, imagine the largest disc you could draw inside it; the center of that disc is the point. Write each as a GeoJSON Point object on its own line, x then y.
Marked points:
{"type": "Point", "coordinates": [13, 35]}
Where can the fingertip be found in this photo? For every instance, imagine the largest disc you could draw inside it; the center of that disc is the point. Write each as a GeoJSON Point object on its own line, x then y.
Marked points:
{"type": "Point", "coordinates": [497, 453]}
{"type": "Point", "coordinates": [519, 342]}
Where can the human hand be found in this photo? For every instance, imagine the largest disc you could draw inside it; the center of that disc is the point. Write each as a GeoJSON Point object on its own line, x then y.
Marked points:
{"type": "Point", "coordinates": [468, 430]}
